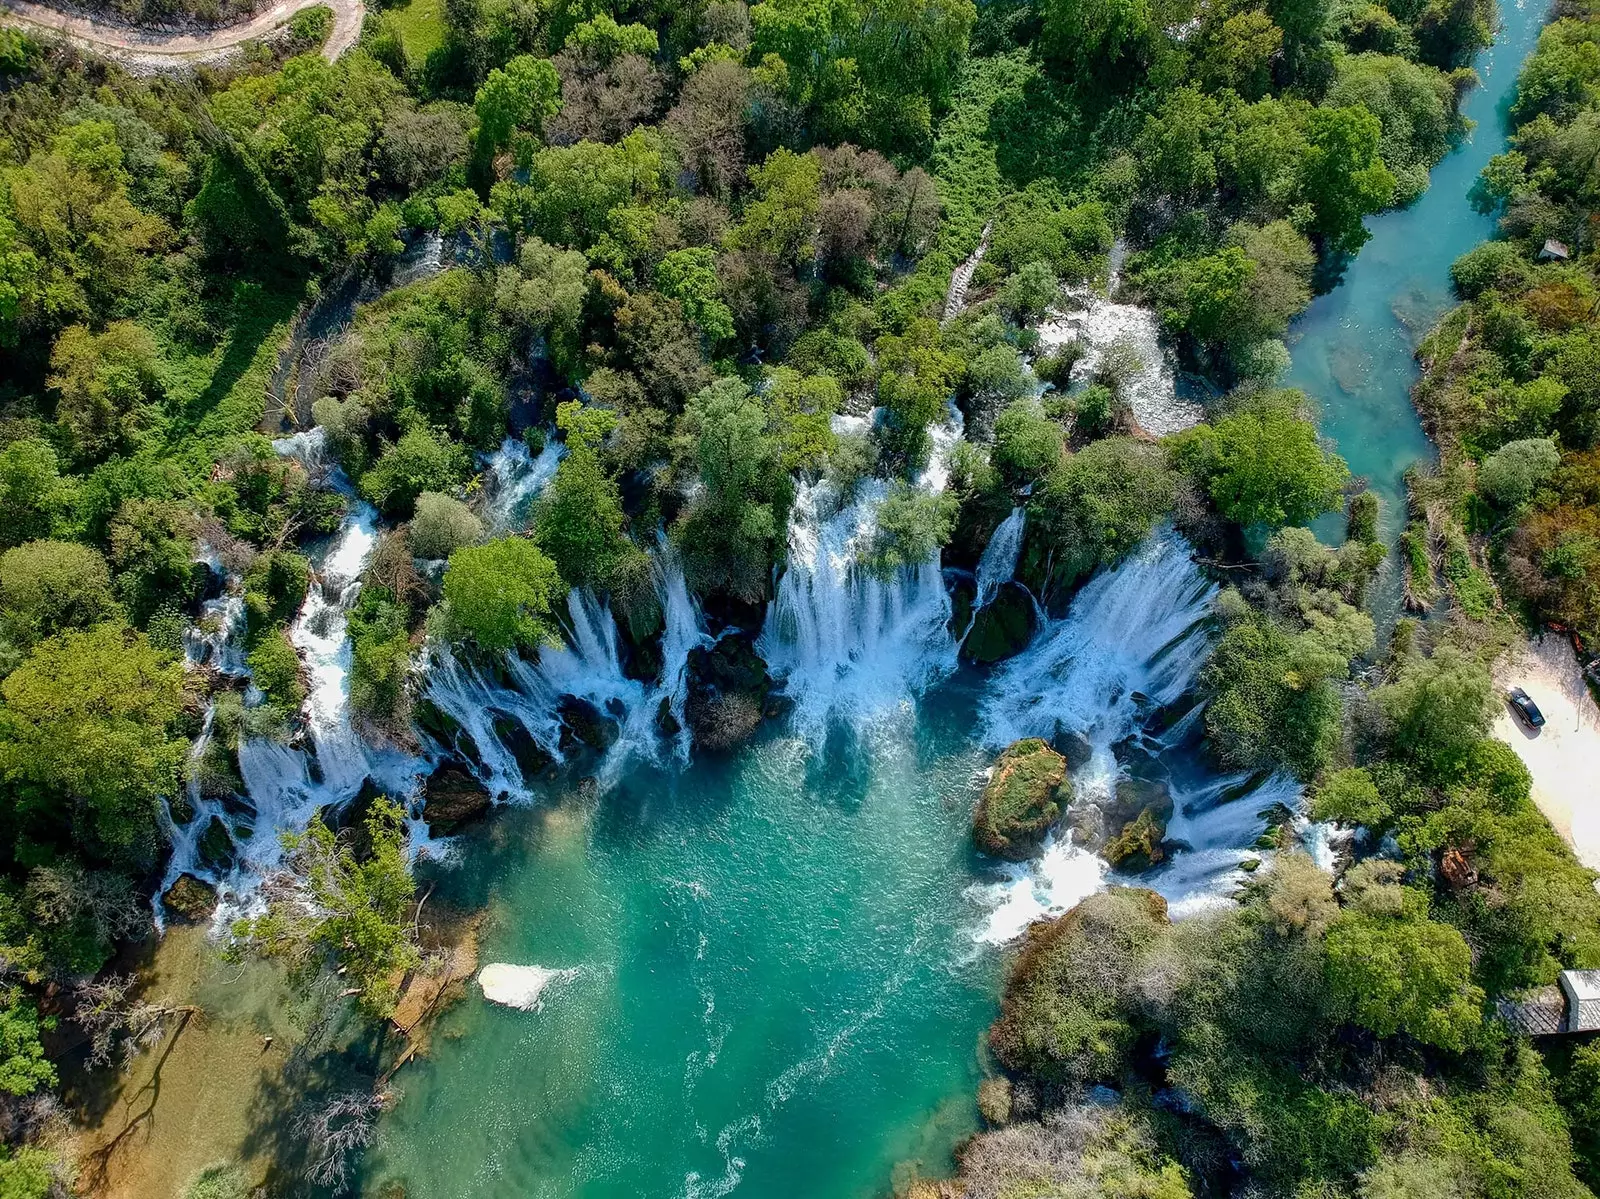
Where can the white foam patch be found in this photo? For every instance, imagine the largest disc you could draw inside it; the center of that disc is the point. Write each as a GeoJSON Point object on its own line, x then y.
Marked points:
{"type": "Point", "coordinates": [520, 987]}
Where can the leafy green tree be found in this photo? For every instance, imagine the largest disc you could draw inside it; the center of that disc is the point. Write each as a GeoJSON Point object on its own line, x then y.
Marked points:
{"type": "Point", "coordinates": [605, 40]}
{"type": "Point", "coordinates": [1437, 711]}
{"type": "Point", "coordinates": [517, 97]}
{"type": "Point", "coordinates": [33, 495]}
{"type": "Point", "coordinates": [1344, 178]}
{"type": "Point", "coordinates": [500, 595]}
{"type": "Point", "coordinates": [24, 1068]}
{"type": "Point", "coordinates": [912, 526]}
{"type": "Point", "coordinates": [1262, 465]}
{"type": "Point", "coordinates": [1091, 509]}
{"type": "Point", "coordinates": [1272, 701]}
{"type": "Point", "coordinates": [422, 460]}
{"type": "Point", "coordinates": [579, 520]}
{"type": "Point", "coordinates": [86, 736]}
{"type": "Point", "coordinates": [275, 668]}
{"type": "Point", "coordinates": [108, 386]}
{"type": "Point", "coordinates": [1105, 39]}
{"type": "Point", "coordinates": [275, 588]}
{"type": "Point", "coordinates": [47, 587]}
{"type": "Point", "coordinates": [345, 909]}
{"type": "Point", "coordinates": [544, 295]}
{"type": "Point", "coordinates": [1351, 797]}
{"type": "Point", "coordinates": [1510, 474]}
{"type": "Point", "coordinates": [1404, 974]}
{"type": "Point", "coordinates": [380, 656]}
{"type": "Point", "coordinates": [690, 277]}
{"type": "Point", "coordinates": [1027, 443]}
{"type": "Point", "coordinates": [916, 376]}
{"type": "Point", "coordinates": [729, 535]}
{"type": "Point", "coordinates": [441, 526]}
{"type": "Point", "coordinates": [152, 551]}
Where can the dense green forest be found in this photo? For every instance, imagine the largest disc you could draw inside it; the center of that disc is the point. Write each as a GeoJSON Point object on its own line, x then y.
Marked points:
{"type": "Point", "coordinates": [684, 237]}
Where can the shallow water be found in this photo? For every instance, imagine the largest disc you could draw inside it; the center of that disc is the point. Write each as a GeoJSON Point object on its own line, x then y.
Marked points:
{"type": "Point", "coordinates": [776, 968]}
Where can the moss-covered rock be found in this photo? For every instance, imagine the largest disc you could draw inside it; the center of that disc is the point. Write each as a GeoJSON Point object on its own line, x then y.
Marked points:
{"type": "Point", "coordinates": [1139, 845]}
{"type": "Point", "coordinates": [451, 799]}
{"type": "Point", "coordinates": [1026, 794]}
{"type": "Point", "coordinates": [963, 592]}
{"type": "Point", "coordinates": [1002, 628]}
{"type": "Point", "coordinates": [215, 847]}
{"type": "Point", "coordinates": [189, 899]}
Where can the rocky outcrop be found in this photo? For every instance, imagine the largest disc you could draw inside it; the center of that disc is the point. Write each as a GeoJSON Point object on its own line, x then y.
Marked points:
{"type": "Point", "coordinates": [190, 900]}
{"type": "Point", "coordinates": [729, 688]}
{"type": "Point", "coordinates": [1139, 845]}
{"type": "Point", "coordinates": [1002, 628]}
{"type": "Point", "coordinates": [1026, 794]}
{"type": "Point", "coordinates": [451, 799]}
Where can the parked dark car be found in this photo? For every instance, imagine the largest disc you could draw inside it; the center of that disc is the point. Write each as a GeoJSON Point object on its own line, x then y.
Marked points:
{"type": "Point", "coordinates": [1522, 703]}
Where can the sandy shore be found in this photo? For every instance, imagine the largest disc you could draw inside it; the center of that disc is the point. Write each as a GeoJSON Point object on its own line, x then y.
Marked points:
{"type": "Point", "coordinates": [1563, 756]}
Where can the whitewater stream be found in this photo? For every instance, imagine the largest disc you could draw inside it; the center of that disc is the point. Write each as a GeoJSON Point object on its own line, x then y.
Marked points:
{"type": "Point", "coordinates": [767, 974]}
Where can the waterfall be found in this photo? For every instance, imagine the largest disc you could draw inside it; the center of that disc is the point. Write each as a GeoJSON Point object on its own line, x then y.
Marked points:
{"type": "Point", "coordinates": [1132, 641]}
{"type": "Point", "coordinates": [999, 561]}
{"type": "Point", "coordinates": [684, 632]}
{"type": "Point", "coordinates": [587, 666]}
{"type": "Point", "coordinates": [515, 476]}
{"type": "Point", "coordinates": [843, 641]}
{"type": "Point", "coordinates": [1134, 636]}
{"type": "Point", "coordinates": [285, 785]}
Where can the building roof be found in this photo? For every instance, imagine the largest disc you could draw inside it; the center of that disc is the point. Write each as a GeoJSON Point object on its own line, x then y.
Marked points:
{"type": "Point", "coordinates": [1540, 1013]}
{"type": "Point", "coordinates": [1554, 249]}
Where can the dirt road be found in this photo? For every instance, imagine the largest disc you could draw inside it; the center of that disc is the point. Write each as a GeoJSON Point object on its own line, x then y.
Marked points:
{"type": "Point", "coordinates": [1563, 756]}
{"type": "Point", "coordinates": [153, 50]}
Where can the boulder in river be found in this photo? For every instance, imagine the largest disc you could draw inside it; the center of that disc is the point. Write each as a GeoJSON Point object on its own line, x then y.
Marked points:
{"type": "Point", "coordinates": [1002, 628]}
{"type": "Point", "coordinates": [215, 847]}
{"type": "Point", "coordinates": [728, 691]}
{"type": "Point", "coordinates": [1139, 845]}
{"type": "Point", "coordinates": [451, 799]}
{"type": "Point", "coordinates": [190, 900]}
{"type": "Point", "coordinates": [1025, 795]}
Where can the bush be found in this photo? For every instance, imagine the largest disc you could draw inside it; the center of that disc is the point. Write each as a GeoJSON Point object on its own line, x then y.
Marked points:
{"type": "Point", "coordinates": [441, 526]}
{"type": "Point", "coordinates": [1027, 443]}
{"type": "Point", "coordinates": [1510, 475]}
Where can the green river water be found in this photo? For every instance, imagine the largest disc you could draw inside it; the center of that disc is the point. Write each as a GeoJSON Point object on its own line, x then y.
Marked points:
{"type": "Point", "coordinates": [774, 985]}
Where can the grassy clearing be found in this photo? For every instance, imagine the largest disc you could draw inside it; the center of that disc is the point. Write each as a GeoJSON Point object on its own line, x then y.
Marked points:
{"type": "Point", "coordinates": [421, 26]}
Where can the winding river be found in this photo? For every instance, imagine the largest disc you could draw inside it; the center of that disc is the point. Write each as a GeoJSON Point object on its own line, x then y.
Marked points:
{"type": "Point", "coordinates": [772, 971]}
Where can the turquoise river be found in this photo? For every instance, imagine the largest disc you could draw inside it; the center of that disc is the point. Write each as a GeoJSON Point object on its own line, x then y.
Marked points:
{"type": "Point", "coordinates": [775, 969]}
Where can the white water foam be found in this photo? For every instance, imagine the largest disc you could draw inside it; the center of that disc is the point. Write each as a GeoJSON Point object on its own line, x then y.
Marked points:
{"type": "Point", "coordinates": [515, 476]}
{"type": "Point", "coordinates": [1099, 324]}
{"type": "Point", "coordinates": [520, 987]}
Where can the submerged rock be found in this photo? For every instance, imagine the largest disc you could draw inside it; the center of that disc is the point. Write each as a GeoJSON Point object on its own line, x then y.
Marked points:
{"type": "Point", "coordinates": [728, 691]}
{"type": "Point", "coordinates": [1002, 628]}
{"type": "Point", "coordinates": [451, 799]}
{"type": "Point", "coordinates": [1024, 797]}
{"type": "Point", "coordinates": [190, 900]}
